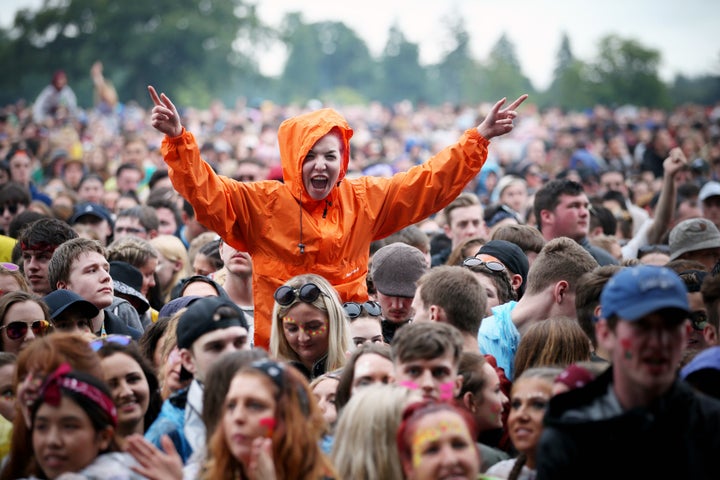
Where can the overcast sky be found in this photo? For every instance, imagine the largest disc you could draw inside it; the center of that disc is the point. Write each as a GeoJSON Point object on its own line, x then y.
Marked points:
{"type": "Point", "coordinates": [684, 31]}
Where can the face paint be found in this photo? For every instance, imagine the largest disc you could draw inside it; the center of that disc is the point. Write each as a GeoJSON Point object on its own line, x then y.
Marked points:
{"type": "Point", "coordinates": [410, 385]}
{"type": "Point", "coordinates": [268, 422]}
{"type": "Point", "coordinates": [626, 344]}
{"type": "Point", "coordinates": [429, 435]}
{"type": "Point", "coordinates": [447, 390]}
{"type": "Point", "coordinates": [315, 333]}
{"type": "Point", "coordinates": [289, 320]}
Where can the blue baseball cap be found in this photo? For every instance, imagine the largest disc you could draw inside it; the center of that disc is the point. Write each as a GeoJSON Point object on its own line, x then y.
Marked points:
{"type": "Point", "coordinates": [708, 359]}
{"type": "Point", "coordinates": [637, 291]}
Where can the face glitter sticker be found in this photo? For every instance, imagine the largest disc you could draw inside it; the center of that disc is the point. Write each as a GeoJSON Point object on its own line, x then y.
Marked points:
{"type": "Point", "coordinates": [426, 436]}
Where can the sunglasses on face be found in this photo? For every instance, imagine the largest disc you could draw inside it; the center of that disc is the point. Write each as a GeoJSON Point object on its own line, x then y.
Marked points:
{"type": "Point", "coordinates": [698, 320]}
{"type": "Point", "coordinates": [354, 310]}
{"type": "Point", "coordinates": [17, 330]}
{"type": "Point", "coordinates": [473, 262]}
{"type": "Point", "coordinates": [308, 293]}
{"type": "Point", "coordinates": [98, 343]}
{"type": "Point", "coordinates": [12, 208]}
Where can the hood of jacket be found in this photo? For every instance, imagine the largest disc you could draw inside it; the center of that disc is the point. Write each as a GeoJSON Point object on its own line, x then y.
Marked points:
{"type": "Point", "coordinates": [297, 135]}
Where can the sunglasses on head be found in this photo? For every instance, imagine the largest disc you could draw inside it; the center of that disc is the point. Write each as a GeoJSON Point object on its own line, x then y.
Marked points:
{"type": "Point", "coordinates": [115, 338]}
{"type": "Point", "coordinates": [17, 330]}
{"type": "Point", "coordinates": [698, 320]}
{"type": "Point", "coordinates": [354, 310]}
{"type": "Point", "coordinates": [308, 293]}
{"type": "Point", "coordinates": [472, 262]}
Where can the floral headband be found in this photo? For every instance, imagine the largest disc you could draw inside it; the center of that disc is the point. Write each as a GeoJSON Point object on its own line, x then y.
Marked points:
{"type": "Point", "coordinates": [50, 391]}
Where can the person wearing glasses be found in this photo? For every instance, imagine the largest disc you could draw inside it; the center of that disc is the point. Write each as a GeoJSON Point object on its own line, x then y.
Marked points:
{"type": "Point", "coordinates": [320, 220]}
{"type": "Point", "coordinates": [365, 322]}
{"type": "Point", "coordinates": [551, 287]}
{"type": "Point", "coordinates": [638, 410]}
{"type": "Point", "coordinates": [23, 316]}
{"type": "Point", "coordinates": [14, 199]}
{"type": "Point", "coordinates": [309, 327]}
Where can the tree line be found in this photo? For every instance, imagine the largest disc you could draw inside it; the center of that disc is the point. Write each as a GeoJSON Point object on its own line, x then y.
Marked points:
{"type": "Point", "coordinates": [199, 51]}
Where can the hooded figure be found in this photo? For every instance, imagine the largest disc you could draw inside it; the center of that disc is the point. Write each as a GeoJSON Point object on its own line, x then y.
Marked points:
{"type": "Point", "coordinates": [288, 232]}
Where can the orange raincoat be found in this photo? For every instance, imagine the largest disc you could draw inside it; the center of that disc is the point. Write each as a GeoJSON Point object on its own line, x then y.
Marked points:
{"type": "Point", "coordinates": [271, 220]}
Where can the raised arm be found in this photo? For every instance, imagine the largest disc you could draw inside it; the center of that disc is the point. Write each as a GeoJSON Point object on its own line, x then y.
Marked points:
{"type": "Point", "coordinates": [499, 122]}
{"type": "Point", "coordinates": [665, 208]}
{"type": "Point", "coordinates": [165, 117]}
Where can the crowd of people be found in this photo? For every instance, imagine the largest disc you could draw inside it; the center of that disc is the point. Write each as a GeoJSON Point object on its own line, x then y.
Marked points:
{"type": "Point", "coordinates": [377, 292]}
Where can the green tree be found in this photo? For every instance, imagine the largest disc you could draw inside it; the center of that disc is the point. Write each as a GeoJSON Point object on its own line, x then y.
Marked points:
{"type": "Point", "coordinates": [627, 72]}
{"type": "Point", "coordinates": [401, 75]}
{"type": "Point", "coordinates": [569, 87]}
{"type": "Point", "coordinates": [504, 77]}
{"type": "Point", "coordinates": [323, 56]}
{"type": "Point", "coordinates": [456, 78]}
{"type": "Point", "coordinates": [185, 47]}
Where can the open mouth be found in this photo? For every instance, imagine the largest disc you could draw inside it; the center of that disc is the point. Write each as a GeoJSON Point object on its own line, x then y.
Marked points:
{"type": "Point", "coordinates": [319, 183]}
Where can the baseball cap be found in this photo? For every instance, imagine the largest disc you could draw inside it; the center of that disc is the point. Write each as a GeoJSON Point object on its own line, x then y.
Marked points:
{"type": "Point", "coordinates": [509, 255]}
{"type": "Point", "coordinates": [202, 317]}
{"type": "Point", "coordinates": [691, 235]}
{"type": "Point", "coordinates": [710, 189]}
{"type": "Point", "coordinates": [91, 209]}
{"type": "Point", "coordinates": [176, 304]}
{"type": "Point", "coordinates": [636, 291]}
{"type": "Point", "coordinates": [128, 280]}
{"type": "Point", "coordinates": [60, 300]}
{"type": "Point", "coordinates": [706, 359]}
{"type": "Point", "coordinates": [395, 269]}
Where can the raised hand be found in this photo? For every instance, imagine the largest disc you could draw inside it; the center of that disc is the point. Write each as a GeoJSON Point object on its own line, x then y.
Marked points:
{"type": "Point", "coordinates": [153, 463]}
{"type": "Point", "coordinates": [499, 122]}
{"type": "Point", "coordinates": [165, 117]}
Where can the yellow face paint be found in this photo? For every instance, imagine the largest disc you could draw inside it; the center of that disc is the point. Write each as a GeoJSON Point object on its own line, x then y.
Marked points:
{"type": "Point", "coordinates": [424, 437]}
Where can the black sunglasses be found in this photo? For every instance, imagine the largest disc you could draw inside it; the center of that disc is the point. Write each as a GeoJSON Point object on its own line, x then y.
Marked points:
{"type": "Point", "coordinates": [354, 310]}
{"type": "Point", "coordinates": [123, 340]}
{"type": "Point", "coordinates": [308, 293]}
{"type": "Point", "coordinates": [11, 207]}
{"type": "Point", "coordinates": [472, 262]}
{"type": "Point", "coordinates": [17, 330]}
{"type": "Point", "coordinates": [698, 320]}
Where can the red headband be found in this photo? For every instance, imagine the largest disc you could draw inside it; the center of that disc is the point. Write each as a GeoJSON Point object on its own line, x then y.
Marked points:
{"type": "Point", "coordinates": [50, 392]}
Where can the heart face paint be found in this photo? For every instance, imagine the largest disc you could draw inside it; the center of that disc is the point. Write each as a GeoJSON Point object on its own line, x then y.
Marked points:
{"type": "Point", "coordinates": [269, 423]}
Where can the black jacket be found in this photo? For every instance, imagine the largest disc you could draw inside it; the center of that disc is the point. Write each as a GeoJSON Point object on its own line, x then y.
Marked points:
{"type": "Point", "coordinates": [587, 435]}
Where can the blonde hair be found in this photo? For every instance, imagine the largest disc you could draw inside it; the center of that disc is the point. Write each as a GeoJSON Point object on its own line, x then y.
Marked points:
{"type": "Point", "coordinates": [364, 447]}
{"type": "Point", "coordinates": [173, 249]}
{"type": "Point", "coordinates": [329, 302]}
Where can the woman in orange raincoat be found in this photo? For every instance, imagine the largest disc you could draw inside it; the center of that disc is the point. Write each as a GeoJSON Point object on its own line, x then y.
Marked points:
{"type": "Point", "coordinates": [317, 221]}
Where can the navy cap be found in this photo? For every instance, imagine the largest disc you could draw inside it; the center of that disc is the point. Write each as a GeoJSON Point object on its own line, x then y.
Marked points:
{"type": "Point", "coordinates": [91, 209]}
{"type": "Point", "coordinates": [509, 255]}
{"type": "Point", "coordinates": [60, 300]}
{"type": "Point", "coordinates": [201, 317]}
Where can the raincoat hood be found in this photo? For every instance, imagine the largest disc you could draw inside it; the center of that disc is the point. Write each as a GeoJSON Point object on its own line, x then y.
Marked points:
{"type": "Point", "coordinates": [297, 135]}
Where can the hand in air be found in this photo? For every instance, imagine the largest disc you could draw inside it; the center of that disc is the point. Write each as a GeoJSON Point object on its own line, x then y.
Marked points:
{"type": "Point", "coordinates": [499, 122]}
{"type": "Point", "coordinates": [164, 117]}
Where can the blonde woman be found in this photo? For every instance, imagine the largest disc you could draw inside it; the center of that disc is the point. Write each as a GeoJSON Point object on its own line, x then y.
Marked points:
{"type": "Point", "coordinates": [309, 327]}
{"type": "Point", "coordinates": [364, 445]}
{"type": "Point", "coordinates": [173, 263]}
